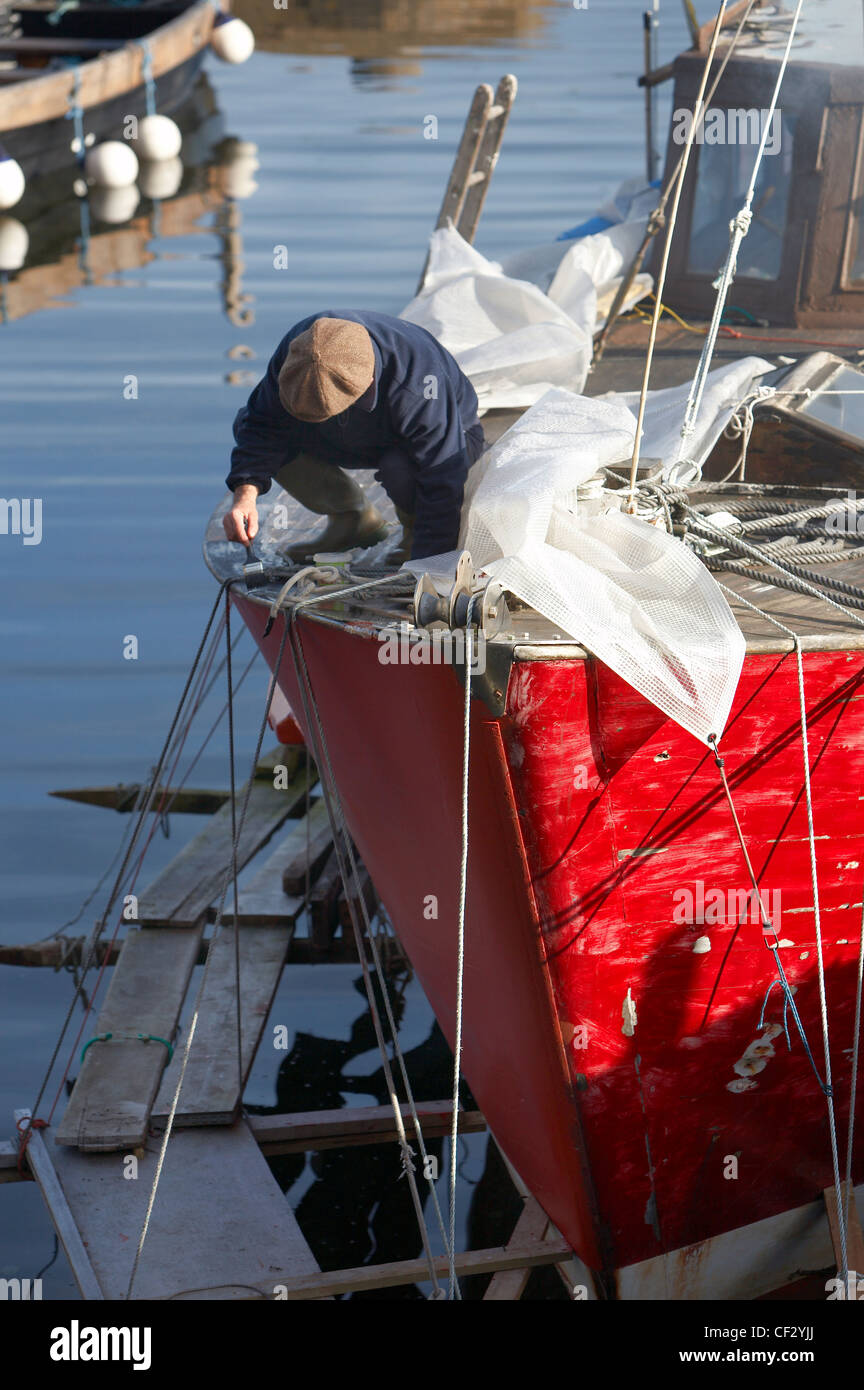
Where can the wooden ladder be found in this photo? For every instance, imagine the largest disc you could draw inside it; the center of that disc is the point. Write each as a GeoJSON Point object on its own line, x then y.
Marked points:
{"type": "Point", "coordinates": [475, 161]}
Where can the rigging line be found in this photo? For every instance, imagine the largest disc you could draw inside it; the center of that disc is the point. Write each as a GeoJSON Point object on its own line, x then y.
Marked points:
{"type": "Point", "coordinates": [233, 786]}
{"type": "Point", "coordinates": [827, 1087]}
{"type": "Point", "coordinates": [97, 932]}
{"type": "Point", "coordinates": [60, 931]}
{"type": "Point", "coordinates": [211, 731]}
{"type": "Point", "coordinates": [158, 814]}
{"type": "Point", "coordinates": [667, 247]}
{"type": "Point", "coordinates": [657, 218]}
{"type": "Point", "coordinates": [739, 227]}
{"type": "Point", "coordinates": [194, 1023]}
{"type": "Point", "coordinates": [372, 937]}
{"type": "Point", "coordinates": [460, 941]}
{"type": "Point", "coordinates": [332, 801]}
{"type": "Point", "coordinates": [735, 543]}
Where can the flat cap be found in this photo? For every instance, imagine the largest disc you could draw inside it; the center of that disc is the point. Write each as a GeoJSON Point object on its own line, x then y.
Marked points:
{"type": "Point", "coordinates": [328, 367]}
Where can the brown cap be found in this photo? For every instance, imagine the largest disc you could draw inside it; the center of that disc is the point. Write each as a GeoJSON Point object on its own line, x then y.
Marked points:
{"type": "Point", "coordinates": [328, 367]}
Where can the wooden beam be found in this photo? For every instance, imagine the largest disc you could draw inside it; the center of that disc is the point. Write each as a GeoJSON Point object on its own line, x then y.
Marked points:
{"type": "Point", "coordinates": [42, 1168]}
{"type": "Point", "coordinates": [352, 898]}
{"type": "Point", "coordinates": [212, 1090]}
{"type": "Point", "coordinates": [185, 889]}
{"type": "Point", "coordinates": [196, 801]}
{"type": "Point", "coordinates": [532, 1226]}
{"type": "Point", "coordinates": [362, 1124]}
{"type": "Point", "coordinates": [324, 904]}
{"type": "Point", "coordinates": [118, 1080]}
{"type": "Point", "coordinates": [387, 1276]}
{"type": "Point", "coordinates": [656, 76]}
{"type": "Point", "coordinates": [309, 841]}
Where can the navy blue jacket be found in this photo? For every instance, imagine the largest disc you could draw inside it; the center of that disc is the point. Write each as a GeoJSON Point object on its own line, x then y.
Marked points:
{"type": "Point", "coordinates": [420, 402]}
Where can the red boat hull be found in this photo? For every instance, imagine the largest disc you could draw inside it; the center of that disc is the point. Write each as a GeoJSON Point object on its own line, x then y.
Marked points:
{"type": "Point", "coordinates": [612, 1026]}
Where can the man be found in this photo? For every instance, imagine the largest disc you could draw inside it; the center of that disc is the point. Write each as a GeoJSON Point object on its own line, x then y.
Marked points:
{"type": "Point", "coordinates": [356, 389]}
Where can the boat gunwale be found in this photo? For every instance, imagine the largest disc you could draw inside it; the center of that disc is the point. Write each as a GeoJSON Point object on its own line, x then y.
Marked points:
{"type": "Point", "coordinates": [46, 97]}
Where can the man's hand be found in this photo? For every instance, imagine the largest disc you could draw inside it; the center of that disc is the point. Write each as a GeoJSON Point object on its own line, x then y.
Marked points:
{"type": "Point", "coordinates": [241, 523]}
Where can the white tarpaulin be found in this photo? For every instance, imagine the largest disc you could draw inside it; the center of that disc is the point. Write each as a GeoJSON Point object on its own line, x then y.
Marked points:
{"type": "Point", "coordinates": [633, 595]}
{"type": "Point", "coordinates": [519, 328]}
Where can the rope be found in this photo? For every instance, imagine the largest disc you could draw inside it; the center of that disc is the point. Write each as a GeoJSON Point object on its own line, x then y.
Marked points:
{"type": "Point", "coordinates": [118, 881]}
{"type": "Point", "coordinates": [661, 279]}
{"type": "Point", "coordinates": [147, 76]}
{"type": "Point", "coordinates": [344, 849]}
{"type": "Point", "coordinates": [827, 1085]}
{"type": "Point", "coordinates": [460, 950]}
{"type": "Point", "coordinates": [657, 220]}
{"type": "Point", "coordinates": [218, 923]}
{"type": "Point", "coordinates": [127, 1037]}
{"type": "Point", "coordinates": [739, 227]}
{"type": "Point", "coordinates": [233, 798]}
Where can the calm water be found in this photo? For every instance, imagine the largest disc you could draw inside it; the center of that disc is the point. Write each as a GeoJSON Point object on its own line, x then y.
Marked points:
{"type": "Point", "coordinates": [350, 187]}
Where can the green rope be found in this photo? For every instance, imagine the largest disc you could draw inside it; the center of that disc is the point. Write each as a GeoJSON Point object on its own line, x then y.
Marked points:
{"type": "Point", "coordinates": [128, 1037]}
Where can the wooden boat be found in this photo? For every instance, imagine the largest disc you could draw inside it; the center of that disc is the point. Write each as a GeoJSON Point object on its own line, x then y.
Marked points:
{"type": "Point", "coordinates": [632, 1062]}
{"type": "Point", "coordinates": [38, 84]}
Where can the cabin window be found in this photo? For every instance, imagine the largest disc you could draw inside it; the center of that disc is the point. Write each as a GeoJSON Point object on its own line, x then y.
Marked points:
{"type": "Point", "coordinates": [841, 412]}
{"type": "Point", "coordinates": [726, 157]}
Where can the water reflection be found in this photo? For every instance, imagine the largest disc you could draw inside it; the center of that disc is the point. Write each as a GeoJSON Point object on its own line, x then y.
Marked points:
{"type": "Point", "coordinates": [64, 235]}
{"type": "Point", "coordinates": [386, 39]}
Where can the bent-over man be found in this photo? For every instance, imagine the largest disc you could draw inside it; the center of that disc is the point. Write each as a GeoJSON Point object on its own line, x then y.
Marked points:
{"type": "Point", "coordinates": [348, 389]}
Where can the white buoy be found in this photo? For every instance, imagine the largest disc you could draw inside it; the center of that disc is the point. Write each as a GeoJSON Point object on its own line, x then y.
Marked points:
{"type": "Point", "coordinates": [158, 138]}
{"type": "Point", "coordinates": [232, 40]}
{"type": "Point", "coordinates": [111, 165]}
{"type": "Point", "coordinates": [160, 178]}
{"type": "Point", "coordinates": [11, 180]}
{"type": "Point", "coordinates": [14, 243]}
{"type": "Point", "coordinates": [238, 161]}
{"type": "Point", "coordinates": [114, 205]}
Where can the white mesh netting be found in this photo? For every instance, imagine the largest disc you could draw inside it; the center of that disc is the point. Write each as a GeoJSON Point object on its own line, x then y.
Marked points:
{"type": "Point", "coordinates": [633, 595]}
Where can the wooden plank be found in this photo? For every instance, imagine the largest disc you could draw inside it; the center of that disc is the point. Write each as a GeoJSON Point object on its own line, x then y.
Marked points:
{"type": "Point", "coordinates": [854, 1235]}
{"type": "Point", "coordinates": [263, 901]}
{"type": "Point", "coordinates": [184, 890]}
{"type": "Point", "coordinates": [9, 1162]}
{"type": "Point", "coordinates": [309, 842]}
{"type": "Point", "coordinates": [40, 1165]}
{"type": "Point", "coordinates": [124, 797]}
{"type": "Point", "coordinates": [487, 158]}
{"type": "Point", "coordinates": [220, 1221]}
{"type": "Point", "coordinates": [211, 1091]}
{"type": "Point", "coordinates": [353, 898]}
{"type": "Point", "coordinates": [387, 1276]}
{"type": "Point", "coordinates": [532, 1226]}
{"type": "Point", "coordinates": [362, 1124]}
{"type": "Point", "coordinates": [118, 1080]}
{"type": "Point", "coordinates": [324, 904]}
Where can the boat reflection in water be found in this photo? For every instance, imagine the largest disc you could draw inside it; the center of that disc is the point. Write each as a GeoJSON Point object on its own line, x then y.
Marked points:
{"type": "Point", "coordinates": [385, 39]}
{"type": "Point", "coordinates": [64, 235]}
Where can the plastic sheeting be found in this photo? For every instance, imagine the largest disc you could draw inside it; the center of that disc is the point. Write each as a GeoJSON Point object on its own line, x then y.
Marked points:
{"type": "Point", "coordinates": [633, 595]}
{"type": "Point", "coordinates": [518, 328]}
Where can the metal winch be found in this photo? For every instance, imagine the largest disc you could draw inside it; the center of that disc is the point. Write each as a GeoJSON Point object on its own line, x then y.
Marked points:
{"type": "Point", "coordinates": [486, 603]}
